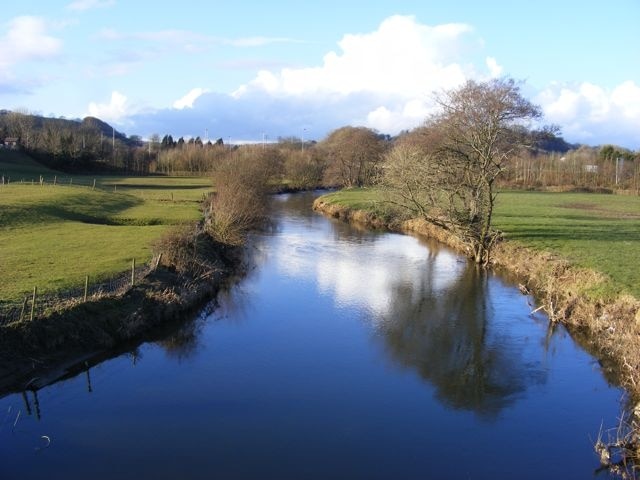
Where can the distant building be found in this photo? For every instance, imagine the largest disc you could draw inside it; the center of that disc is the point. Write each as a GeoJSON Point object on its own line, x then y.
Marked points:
{"type": "Point", "coordinates": [10, 142]}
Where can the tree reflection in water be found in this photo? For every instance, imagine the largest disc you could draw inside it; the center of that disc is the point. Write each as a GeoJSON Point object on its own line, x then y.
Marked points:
{"type": "Point", "coordinates": [446, 335]}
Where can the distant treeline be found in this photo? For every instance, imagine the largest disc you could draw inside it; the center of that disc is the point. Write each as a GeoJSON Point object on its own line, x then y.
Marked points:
{"type": "Point", "coordinates": [348, 156]}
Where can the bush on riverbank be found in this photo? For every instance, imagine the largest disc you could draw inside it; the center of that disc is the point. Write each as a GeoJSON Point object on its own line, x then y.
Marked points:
{"type": "Point", "coordinates": [239, 203]}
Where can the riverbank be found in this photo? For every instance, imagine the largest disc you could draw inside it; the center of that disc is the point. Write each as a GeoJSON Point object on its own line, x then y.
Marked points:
{"type": "Point", "coordinates": [192, 268]}
{"type": "Point", "coordinates": [609, 328]}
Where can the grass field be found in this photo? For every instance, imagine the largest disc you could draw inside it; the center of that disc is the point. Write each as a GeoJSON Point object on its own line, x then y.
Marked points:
{"type": "Point", "coordinates": [51, 236]}
{"type": "Point", "coordinates": [600, 232]}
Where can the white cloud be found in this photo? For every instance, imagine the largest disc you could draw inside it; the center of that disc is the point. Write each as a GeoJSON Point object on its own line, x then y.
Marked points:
{"type": "Point", "coordinates": [592, 114]}
{"type": "Point", "coordinates": [495, 70]}
{"type": "Point", "coordinates": [114, 111]}
{"type": "Point", "coordinates": [189, 98]}
{"type": "Point", "coordinates": [398, 66]}
{"type": "Point", "coordinates": [402, 57]}
{"type": "Point", "coordinates": [27, 39]}
{"type": "Point", "coordinates": [82, 5]}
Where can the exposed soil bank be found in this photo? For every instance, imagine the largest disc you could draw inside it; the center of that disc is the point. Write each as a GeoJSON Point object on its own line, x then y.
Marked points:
{"type": "Point", "coordinates": [608, 329]}
{"type": "Point", "coordinates": [33, 354]}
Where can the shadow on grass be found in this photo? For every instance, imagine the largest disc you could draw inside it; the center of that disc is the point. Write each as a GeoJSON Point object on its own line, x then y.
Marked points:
{"type": "Point", "coordinates": [593, 231]}
{"type": "Point", "coordinates": [98, 210]}
{"type": "Point", "coordinates": [143, 186]}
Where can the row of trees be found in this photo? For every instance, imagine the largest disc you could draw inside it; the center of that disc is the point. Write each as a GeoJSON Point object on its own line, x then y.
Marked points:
{"type": "Point", "coordinates": [72, 145]}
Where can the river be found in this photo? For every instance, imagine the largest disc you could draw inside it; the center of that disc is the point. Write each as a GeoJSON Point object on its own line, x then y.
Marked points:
{"type": "Point", "coordinates": [344, 353]}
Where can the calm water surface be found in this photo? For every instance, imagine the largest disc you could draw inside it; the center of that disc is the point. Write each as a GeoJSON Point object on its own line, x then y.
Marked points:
{"type": "Point", "coordinates": [343, 354]}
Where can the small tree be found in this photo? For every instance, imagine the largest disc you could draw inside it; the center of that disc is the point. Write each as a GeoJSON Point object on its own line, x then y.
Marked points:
{"type": "Point", "coordinates": [449, 177]}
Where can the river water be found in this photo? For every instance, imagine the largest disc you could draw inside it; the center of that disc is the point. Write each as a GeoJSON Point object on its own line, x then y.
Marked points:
{"type": "Point", "coordinates": [344, 353]}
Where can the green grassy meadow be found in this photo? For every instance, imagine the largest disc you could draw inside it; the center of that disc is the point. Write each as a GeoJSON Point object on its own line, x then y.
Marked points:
{"type": "Point", "coordinates": [595, 231]}
{"type": "Point", "coordinates": [52, 236]}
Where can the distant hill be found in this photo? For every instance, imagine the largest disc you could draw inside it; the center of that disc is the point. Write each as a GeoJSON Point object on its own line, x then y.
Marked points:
{"type": "Point", "coordinates": [17, 124]}
{"type": "Point", "coordinates": [107, 130]}
{"type": "Point", "coordinates": [89, 145]}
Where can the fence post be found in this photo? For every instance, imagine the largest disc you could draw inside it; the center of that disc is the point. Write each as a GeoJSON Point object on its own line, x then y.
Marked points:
{"type": "Point", "coordinates": [24, 307]}
{"type": "Point", "coordinates": [55, 180]}
{"type": "Point", "coordinates": [94, 184]}
{"type": "Point", "coordinates": [86, 287]}
{"type": "Point", "coordinates": [133, 272]}
{"type": "Point", "coordinates": [33, 302]}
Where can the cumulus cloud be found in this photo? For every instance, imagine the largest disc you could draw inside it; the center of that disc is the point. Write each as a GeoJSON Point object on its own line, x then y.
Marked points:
{"type": "Point", "coordinates": [592, 114]}
{"type": "Point", "coordinates": [114, 111]}
{"type": "Point", "coordinates": [189, 98]}
{"type": "Point", "coordinates": [27, 39]}
{"type": "Point", "coordinates": [82, 5]}
{"type": "Point", "coordinates": [400, 57]}
{"type": "Point", "coordinates": [398, 66]}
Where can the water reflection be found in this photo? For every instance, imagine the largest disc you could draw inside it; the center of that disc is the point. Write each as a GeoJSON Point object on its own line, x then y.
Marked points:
{"type": "Point", "coordinates": [446, 336]}
{"type": "Point", "coordinates": [432, 309]}
{"type": "Point", "coordinates": [183, 342]}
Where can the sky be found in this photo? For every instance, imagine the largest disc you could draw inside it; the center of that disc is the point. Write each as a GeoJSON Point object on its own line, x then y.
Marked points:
{"type": "Point", "coordinates": [245, 70]}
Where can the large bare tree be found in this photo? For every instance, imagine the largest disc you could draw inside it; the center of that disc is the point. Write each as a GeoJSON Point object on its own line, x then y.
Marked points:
{"type": "Point", "coordinates": [446, 171]}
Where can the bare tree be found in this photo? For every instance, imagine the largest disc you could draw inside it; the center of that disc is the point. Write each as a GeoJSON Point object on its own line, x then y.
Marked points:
{"type": "Point", "coordinates": [353, 156]}
{"type": "Point", "coordinates": [448, 178]}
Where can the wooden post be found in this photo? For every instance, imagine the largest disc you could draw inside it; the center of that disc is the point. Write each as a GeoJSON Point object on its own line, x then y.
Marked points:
{"type": "Point", "coordinates": [33, 303]}
{"type": "Point", "coordinates": [158, 261]}
{"type": "Point", "coordinates": [86, 287]}
{"type": "Point", "coordinates": [55, 179]}
{"type": "Point", "coordinates": [115, 188]}
{"type": "Point", "coordinates": [24, 307]}
{"type": "Point", "coordinates": [133, 272]}
{"type": "Point", "coordinates": [94, 184]}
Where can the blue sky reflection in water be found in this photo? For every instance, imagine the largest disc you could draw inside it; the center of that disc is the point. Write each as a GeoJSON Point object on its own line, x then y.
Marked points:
{"type": "Point", "coordinates": [343, 354]}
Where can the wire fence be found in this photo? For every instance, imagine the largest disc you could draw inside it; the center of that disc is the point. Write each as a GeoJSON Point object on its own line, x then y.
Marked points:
{"type": "Point", "coordinates": [35, 305]}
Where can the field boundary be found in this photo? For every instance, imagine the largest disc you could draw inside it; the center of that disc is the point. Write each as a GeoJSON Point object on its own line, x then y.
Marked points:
{"type": "Point", "coordinates": [35, 305]}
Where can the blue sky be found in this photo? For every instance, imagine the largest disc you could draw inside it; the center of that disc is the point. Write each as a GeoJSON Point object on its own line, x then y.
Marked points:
{"type": "Point", "coordinates": [240, 70]}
